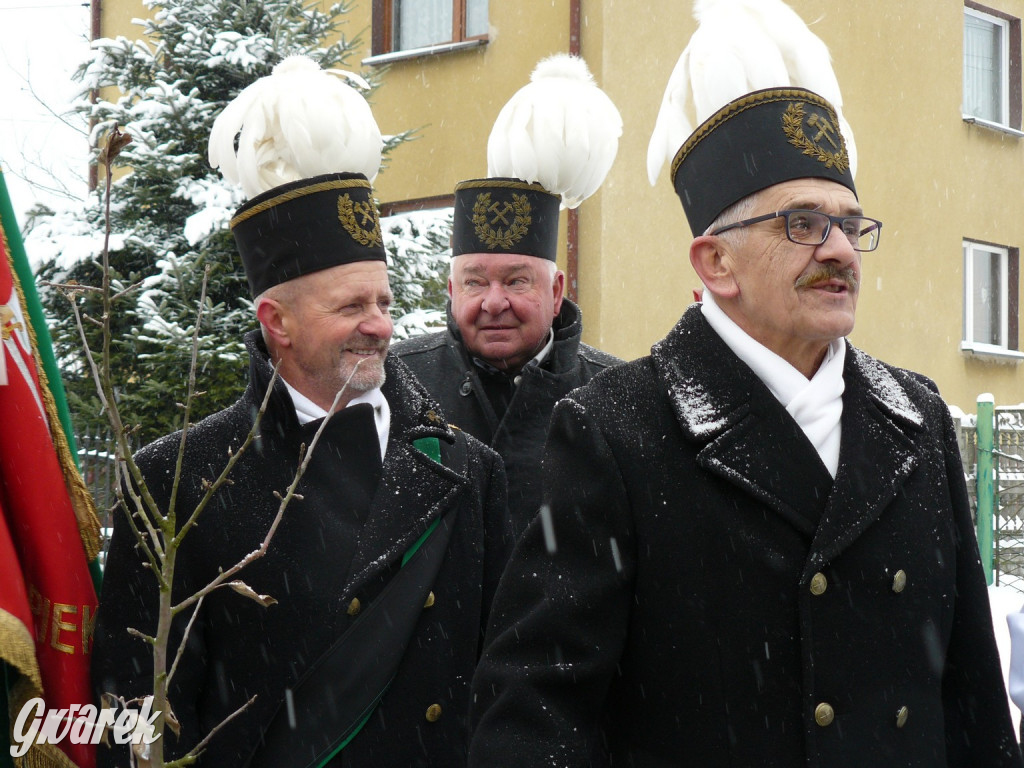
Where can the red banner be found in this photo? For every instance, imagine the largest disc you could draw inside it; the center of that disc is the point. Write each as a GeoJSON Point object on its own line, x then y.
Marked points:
{"type": "Point", "coordinates": [47, 599]}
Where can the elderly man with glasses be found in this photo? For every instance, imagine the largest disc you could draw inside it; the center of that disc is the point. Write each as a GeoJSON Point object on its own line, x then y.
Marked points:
{"type": "Point", "coordinates": [757, 548]}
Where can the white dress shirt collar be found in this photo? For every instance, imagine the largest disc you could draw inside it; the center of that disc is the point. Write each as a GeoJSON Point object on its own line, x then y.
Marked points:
{"type": "Point", "coordinates": [306, 411]}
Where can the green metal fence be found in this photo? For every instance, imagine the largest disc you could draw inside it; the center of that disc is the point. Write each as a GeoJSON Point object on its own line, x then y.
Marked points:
{"type": "Point", "coordinates": [992, 449]}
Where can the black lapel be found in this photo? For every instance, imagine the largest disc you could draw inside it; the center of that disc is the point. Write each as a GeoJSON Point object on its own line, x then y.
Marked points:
{"type": "Point", "coordinates": [414, 490]}
{"type": "Point", "coordinates": [876, 456]}
{"type": "Point", "coordinates": [748, 438]}
{"type": "Point", "coordinates": [768, 454]}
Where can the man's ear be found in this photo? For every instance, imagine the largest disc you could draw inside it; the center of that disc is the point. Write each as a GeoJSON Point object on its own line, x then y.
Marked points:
{"type": "Point", "coordinates": [558, 287]}
{"type": "Point", "coordinates": [712, 261]}
{"type": "Point", "coordinates": [274, 317]}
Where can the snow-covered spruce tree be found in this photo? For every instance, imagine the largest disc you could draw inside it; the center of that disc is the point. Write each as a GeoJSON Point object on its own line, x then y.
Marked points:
{"type": "Point", "coordinates": [170, 213]}
{"type": "Point", "coordinates": [419, 250]}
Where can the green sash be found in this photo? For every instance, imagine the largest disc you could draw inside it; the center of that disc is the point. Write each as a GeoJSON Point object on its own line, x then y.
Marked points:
{"type": "Point", "coordinates": [338, 693]}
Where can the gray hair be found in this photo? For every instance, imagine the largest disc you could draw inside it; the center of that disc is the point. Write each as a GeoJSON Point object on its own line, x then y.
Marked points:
{"type": "Point", "coordinates": [736, 212]}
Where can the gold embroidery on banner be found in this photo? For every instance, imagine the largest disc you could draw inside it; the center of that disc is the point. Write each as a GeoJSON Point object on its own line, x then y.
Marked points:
{"type": "Point", "coordinates": [62, 611]}
{"type": "Point", "coordinates": [365, 229]}
{"type": "Point", "coordinates": [827, 130]}
{"type": "Point", "coordinates": [489, 217]}
{"type": "Point", "coordinates": [8, 325]}
{"type": "Point", "coordinates": [88, 627]}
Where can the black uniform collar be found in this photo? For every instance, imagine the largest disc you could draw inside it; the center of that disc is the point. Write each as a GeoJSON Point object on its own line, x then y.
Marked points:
{"type": "Point", "coordinates": [280, 410]}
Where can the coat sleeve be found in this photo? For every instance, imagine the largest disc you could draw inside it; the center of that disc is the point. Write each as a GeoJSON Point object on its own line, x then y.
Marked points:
{"type": "Point", "coordinates": [978, 726]}
{"type": "Point", "coordinates": [560, 616]}
{"type": "Point", "coordinates": [1015, 623]}
{"type": "Point", "coordinates": [122, 664]}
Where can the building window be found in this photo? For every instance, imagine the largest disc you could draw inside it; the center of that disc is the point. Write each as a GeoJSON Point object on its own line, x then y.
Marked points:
{"type": "Point", "coordinates": [408, 25]}
{"type": "Point", "coordinates": [991, 279]}
{"type": "Point", "coordinates": [991, 67]}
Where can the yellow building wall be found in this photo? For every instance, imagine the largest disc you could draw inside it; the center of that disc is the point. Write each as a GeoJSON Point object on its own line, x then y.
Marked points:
{"type": "Point", "coordinates": [931, 178]}
{"type": "Point", "coordinates": [117, 16]}
{"type": "Point", "coordinates": [452, 99]}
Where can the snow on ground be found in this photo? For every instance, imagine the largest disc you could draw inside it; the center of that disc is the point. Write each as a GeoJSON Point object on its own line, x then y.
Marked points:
{"type": "Point", "coordinates": [1005, 599]}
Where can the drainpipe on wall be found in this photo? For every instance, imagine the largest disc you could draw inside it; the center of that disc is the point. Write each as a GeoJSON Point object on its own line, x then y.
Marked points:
{"type": "Point", "coordinates": [572, 246]}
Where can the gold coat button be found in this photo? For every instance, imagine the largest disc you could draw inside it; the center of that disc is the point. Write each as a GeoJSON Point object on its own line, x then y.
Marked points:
{"type": "Point", "coordinates": [433, 713]}
{"type": "Point", "coordinates": [354, 607]}
{"type": "Point", "coordinates": [824, 714]}
{"type": "Point", "coordinates": [899, 581]}
{"type": "Point", "coordinates": [430, 600]}
{"type": "Point", "coordinates": [901, 715]}
{"type": "Point", "coordinates": [818, 584]}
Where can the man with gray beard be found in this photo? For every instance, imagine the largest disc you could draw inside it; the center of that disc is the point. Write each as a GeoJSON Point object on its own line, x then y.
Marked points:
{"type": "Point", "coordinates": [384, 563]}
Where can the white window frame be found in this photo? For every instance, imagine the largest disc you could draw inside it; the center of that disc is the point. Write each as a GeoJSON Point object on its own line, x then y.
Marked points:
{"type": "Point", "coordinates": [1003, 120]}
{"type": "Point", "coordinates": [972, 250]}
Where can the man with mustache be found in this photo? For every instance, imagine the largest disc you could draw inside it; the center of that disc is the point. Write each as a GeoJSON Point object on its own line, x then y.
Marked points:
{"type": "Point", "coordinates": [759, 548]}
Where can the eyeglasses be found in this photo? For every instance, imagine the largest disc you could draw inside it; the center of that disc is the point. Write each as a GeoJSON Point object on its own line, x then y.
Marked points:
{"type": "Point", "coordinates": [813, 227]}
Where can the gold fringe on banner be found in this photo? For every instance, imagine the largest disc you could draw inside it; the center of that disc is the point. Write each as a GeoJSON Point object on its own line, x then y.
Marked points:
{"type": "Point", "coordinates": [44, 756]}
{"type": "Point", "coordinates": [18, 648]}
{"type": "Point", "coordinates": [38, 755]}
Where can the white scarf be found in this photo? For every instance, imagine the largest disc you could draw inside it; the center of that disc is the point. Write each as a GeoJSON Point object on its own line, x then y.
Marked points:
{"type": "Point", "coordinates": [816, 405]}
{"type": "Point", "coordinates": [306, 411]}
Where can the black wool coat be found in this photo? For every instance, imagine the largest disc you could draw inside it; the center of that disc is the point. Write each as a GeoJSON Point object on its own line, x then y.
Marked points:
{"type": "Point", "coordinates": [341, 543]}
{"type": "Point", "coordinates": [441, 362]}
{"type": "Point", "coordinates": [706, 595]}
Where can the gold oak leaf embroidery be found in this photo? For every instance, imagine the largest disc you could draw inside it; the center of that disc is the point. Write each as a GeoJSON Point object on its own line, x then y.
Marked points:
{"type": "Point", "coordinates": [488, 219]}
{"type": "Point", "coordinates": [360, 220]}
{"type": "Point", "coordinates": [827, 133]}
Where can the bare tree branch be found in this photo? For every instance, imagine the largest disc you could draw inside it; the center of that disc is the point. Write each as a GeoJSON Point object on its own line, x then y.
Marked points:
{"type": "Point", "coordinates": [306, 457]}
{"type": "Point", "coordinates": [198, 748]}
{"type": "Point", "coordinates": [184, 642]}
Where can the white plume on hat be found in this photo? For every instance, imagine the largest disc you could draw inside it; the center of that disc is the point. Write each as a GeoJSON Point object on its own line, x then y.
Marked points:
{"type": "Point", "coordinates": [560, 131]}
{"type": "Point", "coordinates": [741, 46]}
{"type": "Point", "coordinates": [298, 122]}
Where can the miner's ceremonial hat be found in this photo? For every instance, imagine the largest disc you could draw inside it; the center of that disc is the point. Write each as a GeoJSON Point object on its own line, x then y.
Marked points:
{"type": "Point", "coordinates": [551, 147]}
{"type": "Point", "coordinates": [503, 215]}
{"type": "Point", "coordinates": [303, 145]}
{"type": "Point", "coordinates": [754, 142]}
{"type": "Point", "coordinates": [306, 226]}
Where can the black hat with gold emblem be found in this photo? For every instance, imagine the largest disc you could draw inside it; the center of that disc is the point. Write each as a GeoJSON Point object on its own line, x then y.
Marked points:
{"type": "Point", "coordinates": [306, 226]}
{"type": "Point", "coordinates": [759, 140]}
{"type": "Point", "coordinates": [308, 176]}
{"type": "Point", "coordinates": [551, 147]}
{"type": "Point", "coordinates": [505, 216]}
